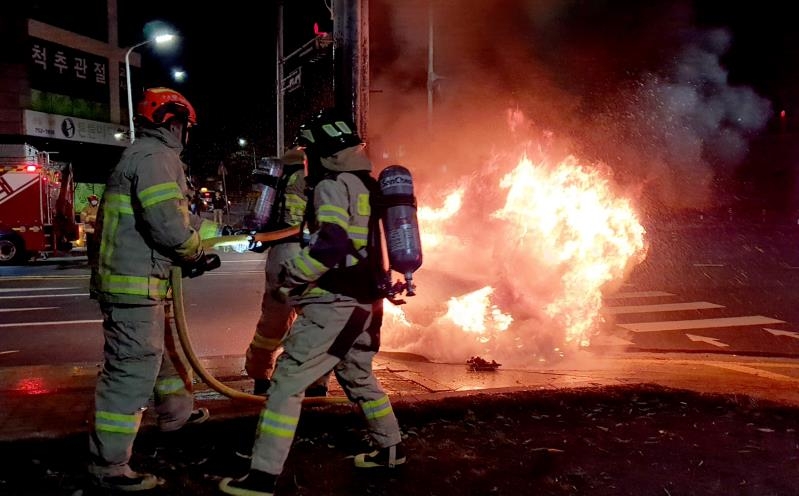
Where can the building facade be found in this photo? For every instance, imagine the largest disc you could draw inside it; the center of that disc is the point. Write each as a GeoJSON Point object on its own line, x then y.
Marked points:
{"type": "Point", "coordinates": [62, 83]}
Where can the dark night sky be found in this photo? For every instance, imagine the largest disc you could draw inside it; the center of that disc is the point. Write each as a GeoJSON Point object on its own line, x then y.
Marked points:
{"type": "Point", "coordinates": [229, 56]}
{"type": "Point", "coordinates": [228, 52]}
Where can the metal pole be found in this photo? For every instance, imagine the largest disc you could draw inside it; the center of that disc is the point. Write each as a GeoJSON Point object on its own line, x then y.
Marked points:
{"type": "Point", "coordinates": [224, 191]}
{"type": "Point", "coordinates": [351, 59]}
{"type": "Point", "coordinates": [430, 73]}
{"type": "Point", "coordinates": [280, 103]}
{"type": "Point", "coordinates": [130, 90]}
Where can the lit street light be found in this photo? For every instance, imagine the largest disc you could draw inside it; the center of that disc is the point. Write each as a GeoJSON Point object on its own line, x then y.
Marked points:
{"type": "Point", "coordinates": [179, 75]}
{"type": "Point", "coordinates": [162, 38]}
{"type": "Point", "coordinates": [243, 144]}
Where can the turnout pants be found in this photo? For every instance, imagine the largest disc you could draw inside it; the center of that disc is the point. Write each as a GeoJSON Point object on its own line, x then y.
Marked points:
{"type": "Point", "coordinates": [141, 358]}
{"type": "Point", "coordinates": [338, 336]}
{"type": "Point", "coordinates": [276, 316]}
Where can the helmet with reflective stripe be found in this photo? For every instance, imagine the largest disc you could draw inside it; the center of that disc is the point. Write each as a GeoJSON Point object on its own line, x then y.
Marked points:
{"type": "Point", "coordinates": [159, 105]}
{"type": "Point", "coordinates": [328, 133]}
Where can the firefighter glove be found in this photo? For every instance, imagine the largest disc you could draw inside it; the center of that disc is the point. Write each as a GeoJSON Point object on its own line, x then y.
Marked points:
{"type": "Point", "coordinates": [256, 246]}
{"type": "Point", "coordinates": [201, 265]}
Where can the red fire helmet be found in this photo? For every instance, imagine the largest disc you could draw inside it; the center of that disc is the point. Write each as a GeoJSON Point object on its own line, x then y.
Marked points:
{"type": "Point", "coordinates": [158, 105]}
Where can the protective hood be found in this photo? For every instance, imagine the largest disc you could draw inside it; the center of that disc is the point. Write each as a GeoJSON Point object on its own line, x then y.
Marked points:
{"type": "Point", "coordinates": [162, 134]}
{"type": "Point", "coordinates": [347, 160]}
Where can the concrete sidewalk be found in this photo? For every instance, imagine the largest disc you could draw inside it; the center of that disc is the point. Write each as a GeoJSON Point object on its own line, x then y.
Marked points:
{"type": "Point", "coordinates": [47, 402]}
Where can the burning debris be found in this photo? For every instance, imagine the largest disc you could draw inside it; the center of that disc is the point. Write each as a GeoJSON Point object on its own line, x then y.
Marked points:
{"type": "Point", "coordinates": [517, 258]}
{"type": "Point", "coordinates": [477, 364]}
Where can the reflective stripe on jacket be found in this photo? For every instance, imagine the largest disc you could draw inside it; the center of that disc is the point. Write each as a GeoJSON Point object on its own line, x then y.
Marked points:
{"type": "Point", "coordinates": [295, 198]}
{"type": "Point", "coordinates": [342, 213]}
{"type": "Point", "coordinates": [144, 222]}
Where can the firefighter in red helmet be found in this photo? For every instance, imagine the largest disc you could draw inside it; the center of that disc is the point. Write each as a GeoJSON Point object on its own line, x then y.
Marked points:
{"type": "Point", "coordinates": [144, 228]}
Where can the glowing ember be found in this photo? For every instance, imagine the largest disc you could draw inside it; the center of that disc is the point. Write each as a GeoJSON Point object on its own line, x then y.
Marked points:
{"type": "Point", "coordinates": [515, 263]}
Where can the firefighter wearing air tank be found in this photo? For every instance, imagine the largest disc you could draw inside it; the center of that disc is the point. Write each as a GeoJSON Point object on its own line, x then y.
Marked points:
{"type": "Point", "coordinates": [337, 327]}
{"type": "Point", "coordinates": [281, 204]}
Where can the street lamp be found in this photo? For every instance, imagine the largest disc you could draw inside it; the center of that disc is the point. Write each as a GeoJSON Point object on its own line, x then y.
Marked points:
{"type": "Point", "coordinates": [179, 75]}
{"type": "Point", "coordinates": [161, 38]}
{"type": "Point", "coordinates": [243, 145]}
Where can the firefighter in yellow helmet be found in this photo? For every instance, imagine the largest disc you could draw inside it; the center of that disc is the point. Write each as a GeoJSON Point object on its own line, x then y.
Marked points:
{"type": "Point", "coordinates": [339, 317]}
{"type": "Point", "coordinates": [144, 228]}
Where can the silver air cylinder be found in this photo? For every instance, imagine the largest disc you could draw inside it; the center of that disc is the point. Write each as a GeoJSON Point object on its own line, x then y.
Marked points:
{"type": "Point", "coordinates": [400, 225]}
{"type": "Point", "coordinates": [266, 177]}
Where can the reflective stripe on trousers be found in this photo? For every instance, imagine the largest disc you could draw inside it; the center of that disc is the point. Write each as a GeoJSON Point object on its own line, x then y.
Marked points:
{"type": "Point", "coordinates": [135, 361]}
{"type": "Point", "coordinates": [305, 358]}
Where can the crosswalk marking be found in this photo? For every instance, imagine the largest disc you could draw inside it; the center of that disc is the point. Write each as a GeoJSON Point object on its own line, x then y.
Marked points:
{"type": "Point", "coordinates": [28, 309]}
{"type": "Point", "coordinates": [14, 290]}
{"type": "Point", "coordinates": [19, 297]}
{"type": "Point", "coordinates": [778, 332]}
{"type": "Point", "coordinates": [637, 294]}
{"type": "Point", "coordinates": [674, 325]}
{"type": "Point", "coordinates": [664, 307]}
{"type": "Point", "coordinates": [51, 323]}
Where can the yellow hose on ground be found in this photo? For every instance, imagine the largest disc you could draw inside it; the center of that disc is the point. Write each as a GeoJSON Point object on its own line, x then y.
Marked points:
{"type": "Point", "coordinates": [179, 310]}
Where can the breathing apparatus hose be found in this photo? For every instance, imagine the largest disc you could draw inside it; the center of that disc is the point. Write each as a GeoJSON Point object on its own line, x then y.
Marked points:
{"type": "Point", "coordinates": [179, 311]}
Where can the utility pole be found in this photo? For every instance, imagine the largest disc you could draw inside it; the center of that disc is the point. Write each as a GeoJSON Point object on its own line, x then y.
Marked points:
{"type": "Point", "coordinates": [351, 60]}
{"type": "Point", "coordinates": [431, 75]}
{"type": "Point", "coordinates": [279, 103]}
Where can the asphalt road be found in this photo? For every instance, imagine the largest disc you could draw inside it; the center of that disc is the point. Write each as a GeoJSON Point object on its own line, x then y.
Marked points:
{"type": "Point", "coordinates": [706, 288]}
{"type": "Point", "coordinates": [47, 317]}
{"type": "Point", "coordinates": [722, 288]}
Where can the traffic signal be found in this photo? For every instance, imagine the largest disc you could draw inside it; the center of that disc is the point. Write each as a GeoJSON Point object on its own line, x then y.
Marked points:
{"type": "Point", "coordinates": [323, 34]}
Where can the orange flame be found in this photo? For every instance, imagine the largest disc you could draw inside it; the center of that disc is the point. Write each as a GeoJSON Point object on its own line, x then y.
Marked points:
{"type": "Point", "coordinates": [520, 280]}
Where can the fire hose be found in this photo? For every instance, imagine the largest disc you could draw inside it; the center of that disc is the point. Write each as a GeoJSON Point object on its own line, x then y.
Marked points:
{"type": "Point", "coordinates": [179, 313]}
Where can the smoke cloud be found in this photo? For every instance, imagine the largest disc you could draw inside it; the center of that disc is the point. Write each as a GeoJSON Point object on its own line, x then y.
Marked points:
{"type": "Point", "coordinates": [635, 85]}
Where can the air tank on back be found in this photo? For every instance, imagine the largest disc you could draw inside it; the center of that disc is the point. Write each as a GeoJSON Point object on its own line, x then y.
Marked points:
{"type": "Point", "coordinates": [400, 225]}
{"type": "Point", "coordinates": [266, 177]}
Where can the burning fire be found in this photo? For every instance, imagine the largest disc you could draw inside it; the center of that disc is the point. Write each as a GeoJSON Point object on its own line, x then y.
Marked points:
{"type": "Point", "coordinates": [515, 263]}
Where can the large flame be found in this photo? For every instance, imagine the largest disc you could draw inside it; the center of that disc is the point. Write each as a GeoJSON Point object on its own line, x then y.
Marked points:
{"type": "Point", "coordinates": [515, 263]}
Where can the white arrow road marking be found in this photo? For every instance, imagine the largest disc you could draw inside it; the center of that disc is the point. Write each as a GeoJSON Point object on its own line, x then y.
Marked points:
{"type": "Point", "coordinates": [8, 352]}
{"type": "Point", "coordinates": [12, 290]}
{"type": "Point", "coordinates": [51, 323]}
{"type": "Point", "coordinates": [19, 297]}
{"type": "Point", "coordinates": [25, 309]}
{"type": "Point", "coordinates": [665, 307]}
{"type": "Point", "coordinates": [778, 332]}
{"type": "Point", "coordinates": [683, 325]}
{"type": "Point", "coordinates": [708, 265]}
{"type": "Point", "coordinates": [708, 340]}
{"type": "Point", "coordinates": [637, 294]}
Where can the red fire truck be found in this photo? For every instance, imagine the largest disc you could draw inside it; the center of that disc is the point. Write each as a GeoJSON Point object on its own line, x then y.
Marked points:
{"type": "Point", "coordinates": [37, 217]}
